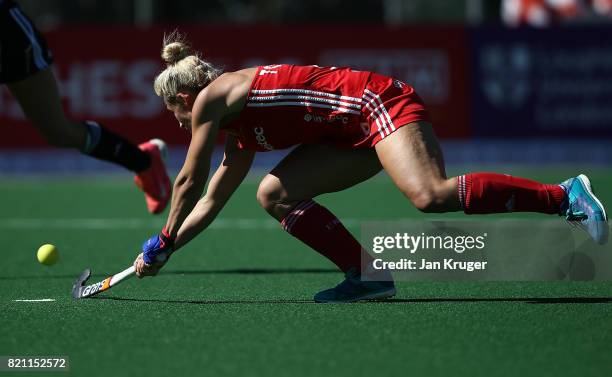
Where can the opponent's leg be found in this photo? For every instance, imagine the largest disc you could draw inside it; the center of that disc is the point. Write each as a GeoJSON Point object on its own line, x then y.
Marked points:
{"type": "Point", "coordinates": [287, 192]}
{"type": "Point", "coordinates": [39, 98]}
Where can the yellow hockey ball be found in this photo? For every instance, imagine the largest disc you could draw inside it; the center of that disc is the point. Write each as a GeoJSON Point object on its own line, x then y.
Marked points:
{"type": "Point", "coordinates": [47, 254]}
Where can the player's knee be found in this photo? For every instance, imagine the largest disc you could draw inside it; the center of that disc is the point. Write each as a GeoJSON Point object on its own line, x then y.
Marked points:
{"type": "Point", "coordinates": [428, 201]}
{"type": "Point", "coordinates": [269, 194]}
{"type": "Point", "coordinates": [425, 203]}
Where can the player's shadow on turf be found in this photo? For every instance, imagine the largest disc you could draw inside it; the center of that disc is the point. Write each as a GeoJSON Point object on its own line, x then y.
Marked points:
{"type": "Point", "coordinates": [203, 302]}
{"type": "Point", "coordinates": [254, 271]}
{"type": "Point", "coordinates": [526, 300]}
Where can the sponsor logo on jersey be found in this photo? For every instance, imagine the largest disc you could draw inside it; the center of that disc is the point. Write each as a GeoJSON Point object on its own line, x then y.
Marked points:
{"type": "Point", "coordinates": [398, 84]}
{"type": "Point", "coordinates": [326, 119]}
{"type": "Point", "coordinates": [261, 138]}
{"type": "Point", "coordinates": [268, 69]}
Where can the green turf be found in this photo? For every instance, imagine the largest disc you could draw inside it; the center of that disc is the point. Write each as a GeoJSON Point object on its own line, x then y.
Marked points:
{"type": "Point", "coordinates": [238, 302]}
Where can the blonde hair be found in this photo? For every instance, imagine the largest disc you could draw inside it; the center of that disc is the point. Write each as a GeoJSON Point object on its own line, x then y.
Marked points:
{"type": "Point", "coordinates": [185, 70]}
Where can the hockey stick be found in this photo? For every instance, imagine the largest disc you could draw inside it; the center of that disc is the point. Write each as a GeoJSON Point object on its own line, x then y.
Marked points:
{"type": "Point", "coordinates": [79, 290]}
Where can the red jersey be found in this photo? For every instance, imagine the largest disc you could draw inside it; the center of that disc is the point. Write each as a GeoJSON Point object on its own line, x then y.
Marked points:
{"type": "Point", "coordinates": [289, 105]}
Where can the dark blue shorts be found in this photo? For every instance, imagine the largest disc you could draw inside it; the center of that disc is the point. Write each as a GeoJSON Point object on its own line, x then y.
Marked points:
{"type": "Point", "coordinates": [23, 50]}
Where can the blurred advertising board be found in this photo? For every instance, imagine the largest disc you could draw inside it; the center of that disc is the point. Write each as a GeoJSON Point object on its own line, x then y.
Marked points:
{"type": "Point", "coordinates": [106, 73]}
{"type": "Point", "coordinates": [541, 83]}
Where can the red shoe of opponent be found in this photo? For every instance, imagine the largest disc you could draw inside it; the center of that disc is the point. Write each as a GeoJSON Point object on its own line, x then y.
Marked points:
{"type": "Point", "coordinates": [154, 181]}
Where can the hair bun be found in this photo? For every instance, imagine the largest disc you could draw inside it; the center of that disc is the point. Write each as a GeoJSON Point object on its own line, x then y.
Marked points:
{"type": "Point", "coordinates": [174, 52]}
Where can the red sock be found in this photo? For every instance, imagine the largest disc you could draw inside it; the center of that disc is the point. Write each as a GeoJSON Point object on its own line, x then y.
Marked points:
{"type": "Point", "coordinates": [495, 193]}
{"type": "Point", "coordinates": [320, 229]}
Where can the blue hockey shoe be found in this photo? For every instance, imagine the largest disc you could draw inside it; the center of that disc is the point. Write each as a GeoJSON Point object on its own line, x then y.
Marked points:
{"type": "Point", "coordinates": [354, 289]}
{"type": "Point", "coordinates": [583, 208]}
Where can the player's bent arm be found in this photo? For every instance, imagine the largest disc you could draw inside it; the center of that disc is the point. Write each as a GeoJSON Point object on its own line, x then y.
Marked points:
{"type": "Point", "coordinates": [188, 188]}
{"type": "Point", "coordinates": [230, 174]}
{"type": "Point", "coordinates": [189, 183]}
{"type": "Point", "coordinates": [224, 96]}
{"type": "Point", "coordinates": [191, 180]}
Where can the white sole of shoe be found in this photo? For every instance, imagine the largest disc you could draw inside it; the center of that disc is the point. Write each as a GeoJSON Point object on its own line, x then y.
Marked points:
{"type": "Point", "coordinates": [586, 183]}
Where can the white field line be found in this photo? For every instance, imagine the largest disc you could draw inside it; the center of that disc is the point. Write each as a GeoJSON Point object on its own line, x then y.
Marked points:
{"type": "Point", "coordinates": [36, 300]}
{"type": "Point", "coordinates": [106, 223]}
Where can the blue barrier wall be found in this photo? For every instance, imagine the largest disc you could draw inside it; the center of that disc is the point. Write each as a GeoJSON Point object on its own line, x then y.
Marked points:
{"type": "Point", "coordinates": [544, 82]}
